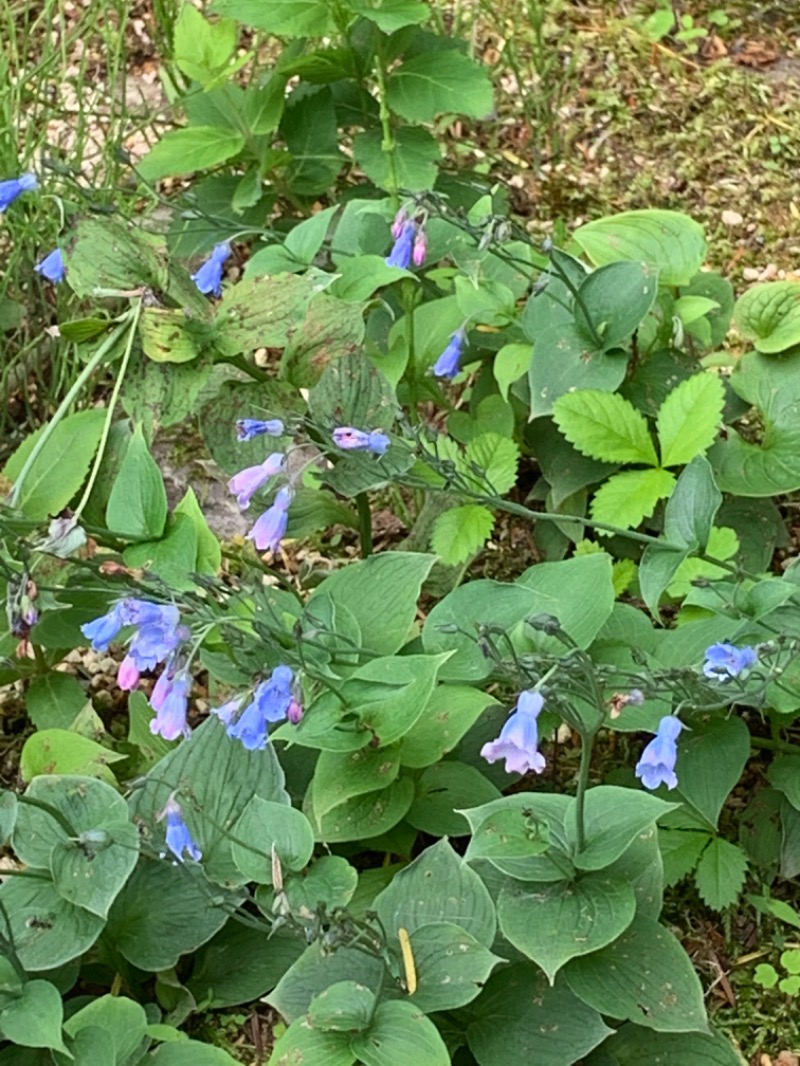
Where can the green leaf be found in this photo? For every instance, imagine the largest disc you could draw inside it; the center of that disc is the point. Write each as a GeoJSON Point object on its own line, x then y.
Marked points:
{"type": "Point", "coordinates": [359, 277]}
{"type": "Point", "coordinates": [769, 466]}
{"type": "Point", "coordinates": [191, 1053]}
{"type": "Point", "coordinates": [633, 1045]}
{"type": "Point", "coordinates": [400, 1032]}
{"type": "Point", "coordinates": [53, 700]}
{"type": "Point", "coordinates": [173, 557]}
{"type": "Point", "coordinates": [461, 532]}
{"type": "Point", "coordinates": [712, 758]}
{"type": "Point", "coordinates": [689, 418]}
{"type": "Point", "coordinates": [240, 964]}
{"type": "Point", "coordinates": [722, 544]}
{"type": "Point", "coordinates": [432, 83]}
{"type": "Point", "coordinates": [364, 816]}
{"type": "Point", "coordinates": [262, 311]}
{"type": "Point", "coordinates": [264, 829]}
{"type": "Point", "coordinates": [391, 15]}
{"type": "Point", "coordinates": [451, 966]}
{"type": "Point", "coordinates": [168, 336]}
{"type": "Point", "coordinates": [284, 18]}
{"type": "Point", "coordinates": [626, 498]}
{"type": "Point", "coordinates": [310, 130]}
{"type": "Point", "coordinates": [769, 315]}
{"type": "Point", "coordinates": [303, 1044]}
{"type": "Point", "coordinates": [208, 558]}
{"type": "Point", "coordinates": [137, 506]}
{"type": "Point", "coordinates": [616, 298]}
{"type": "Point", "coordinates": [613, 818]}
{"type": "Point", "coordinates": [604, 426]}
{"type": "Point", "coordinates": [720, 873]}
{"type": "Point", "coordinates": [47, 930]}
{"type": "Point", "coordinates": [330, 880]}
{"type": "Point", "coordinates": [344, 1007]}
{"type": "Point", "coordinates": [510, 364]}
{"type": "Point", "coordinates": [654, 981]}
{"type": "Point", "coordinates": [124, 1020]}
{"type": "Point", "coordinates": [656, 569]}
{"type": "Point", "coordinates": [448, 714]}
{"type": "Point", "coordinates": [33, 1019]}
{"type": "Point", "coordinates": [341, 776]}
{"type": "Point", "coordinates": [380, 589]}
{"type": "Point", "coordinates": [8, 818]}
{"type": "Point", "coordinates": [203, 48]}
{"type": "Point", "coordinates": [315, 971]}
{"type": "Point", "coordinates": [571, 919]}
{"type": "Point", "coordinates": [492, 462]}
{"type": "Point", "coordinates": [437, 886]}
{"type": "Point", "coordinates": [416, 155]}
{"type": "Point", "coordinates": [224, 776]}
{"type": "Point", "coordinates": [60, 751]}
{"type": "Point", "coordinates": [784, 774]}
{"type": "Point", "coordinates": [301, 245]}
{"type": "Point", "coordinates": [164, 911]}
{"type": "Point", "coordinates": [441, 791]}
{"type": "Point", "coordinates": [186, 151]}
{"type": "Point", "coordinates": [60, 467]}
{"type": "Point", "coordinates": [563, 361]}
{"type": "Point", "coordinates": [692, 507]}
{"type": "Point", "coordinates": [667, 241]}
{"type": "Point", "coordinates": [518, 1018]}
{"type": "Point", "coordinates": [330, 334]}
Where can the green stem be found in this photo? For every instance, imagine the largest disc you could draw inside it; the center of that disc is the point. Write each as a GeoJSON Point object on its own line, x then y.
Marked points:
{"type": "Point", "coordinates": [64, 406]}
{"type": "Point", "coordinates": [112, 403]}
{"type": "Point", "coordinates": [587, 744]}
{"type": "Point", "coordinates": [364, 524]}
{"type": "Point", "coordinates": [774, 745]}
{"type": "Point", "coordinates": [388, 143]}
{"type": "Point", "coordinates": [411, 366]}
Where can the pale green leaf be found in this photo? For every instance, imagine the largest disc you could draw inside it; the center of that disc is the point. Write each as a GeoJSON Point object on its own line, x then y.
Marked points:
{"type": "Point", "coordinates": [769, 315]}
{"type": "Point", "coordinates": [626, 498]}
{"type": "Point", "coordinates": [720, 873]}
{"type": "Point", "coordinates": [461, 532]}
{"type": "Point", "coordinates": [432, 83]}
{"type": "Point", "coordinates": [185, 151]}
{"type": "Point", "coordinates": [604, 426]}
{"type": "Point", "coordinates": [689, 418]}
{"type": "Point", "coordinates": [510, 364]}
{"type": "Point", "coordinates": [672, 243]}
{"type": "Point", "coordinates": [492, 462]}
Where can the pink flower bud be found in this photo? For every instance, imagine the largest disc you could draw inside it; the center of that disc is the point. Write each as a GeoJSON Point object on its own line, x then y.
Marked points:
{"type": "Point", "coordinates": [295, 712]}
{"type": "Point", "coordinates": [420, 248]}
{"type": "Point", "coordinates": [128, 674]}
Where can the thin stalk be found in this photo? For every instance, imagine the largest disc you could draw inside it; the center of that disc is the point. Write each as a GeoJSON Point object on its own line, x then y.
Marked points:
{"type": "Point", "coordinates": [364, 524]}
{"type": "Point", "coordinates": [388, 143]}
{"type": "Point", "coordinates": [587, 744]}
{"type": "Point", "coordinates": [63, 407]}
{"type": "Point", "coordinates": [112, 403]}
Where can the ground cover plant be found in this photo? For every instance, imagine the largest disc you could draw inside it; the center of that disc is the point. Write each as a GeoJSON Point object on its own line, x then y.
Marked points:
{"type": "Point", "coordinates": [416, 808]}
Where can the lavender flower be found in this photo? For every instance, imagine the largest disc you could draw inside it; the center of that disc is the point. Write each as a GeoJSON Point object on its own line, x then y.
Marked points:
{"type": "Point", "coordinates": [104, 629]}
{"type": "Point", "coordinates": [248, 481]}
{"type": "Point", "coordinates": [208, 277]}
{"type": "Point", "coordinates": [420, 249]}
{"type": "Point", "coordinates": [14, 187]}
{"type": "Point", "coordinates": [724, 661]}
{"type": "Point", "coordinates": [227, 711]}
{"type": "Point", "coordinates": [449, 362]}
{"type": "Point", "coordinates": [248, 428]}
{"type": "Point", "coordinates": [128, 674]}
{"type": "Point", "coordinates": [272, 701]}
{"type": "Point", "coordinates": [399, 221]}
{"type": "Point", "coordinates": [179, 839]}
{"type": "Point", "coordinates": [402, 251]}
{"type": "Point", "coordinates": [657, 763]}
{"type": "Point", "coordinates": [518, 742]}
{"type": "Point", "coordinates": [154, 643]}
{"type": "Point", "coordinates": [52, 266]}
{"type": "Point", "coordinates": [169, 700]}
{"type": "Point", "coordinates": [357, 440]}
{"type": "Point", "coordinates": [270, 528]}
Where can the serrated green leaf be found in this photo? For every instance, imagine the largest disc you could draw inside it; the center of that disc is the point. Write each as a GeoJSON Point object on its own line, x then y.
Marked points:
{"type": "Point", "coordinates": [188, 150]}
{"type": "Point", "coordinates": [602, 425]}
{"type": "Point", "coordinates": [415, 156]}
{"type": "Point", "coordinates": [626, 498]}
{"type": "Point", "coordinates": [391, 15]}
{"type": "Point", "coordinates": [461, 532]}
{"type": "Point", "coordinates": [688, 419]}
{"type": "Point", "coordinates": [769, 315]}
{"type": "Point", "coordinates": [433, 83]}
{"type": "Point", "coordinates": [496, 458]}
{"type": "Point", "coordinates": [720, 873]}
{"type": "Point", "coordinates": [201, 47]}
{"type": "Point", "coordinates": [668, 241]}
{"type": "Point", "coordinates": [290, 18]}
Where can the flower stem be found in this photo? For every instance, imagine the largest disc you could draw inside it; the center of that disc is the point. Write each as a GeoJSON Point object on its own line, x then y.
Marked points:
{"type": "Point", "coordinates": [364, 524]}
{"type": "Point", "coordinates": [388, 143]}
{"type": "Point", "coordinates": [587, 744]}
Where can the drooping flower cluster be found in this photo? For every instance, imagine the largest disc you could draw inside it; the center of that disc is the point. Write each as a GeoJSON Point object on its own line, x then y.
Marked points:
{"type": "Point", "coordinates": [657, 763]}
{"type": "Point", "coordinates": [518, 742]}
{"type": "Point", "coordinates": [724, 661]}
{"type": "Point", "coordinates": [269, 528]}
{"type": "Point", "coordinates": [157, 637]}
{"type": "Point", "coordinates": [449, 362]}
{"type": "Point", "coordinates": [273, 701]}
{"type": "Point", "coordinates": [357, 440]}
{"type": "Point", "coordinates": [410, 241]}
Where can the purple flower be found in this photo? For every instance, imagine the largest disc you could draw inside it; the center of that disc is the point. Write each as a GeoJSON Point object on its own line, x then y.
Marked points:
{"type": "Point", "coordinates": [248, 481]}
{"type": "Point", "coordinates": [518, 742]}
{"type": "Point", "coordinates": [179, 839]}
{"type": "Point", "coordinates": [141, 612]}
{"type": "Point", "coordinates": [399, 221]}
{"type": "Point", "coordinates": [271, 702]}
{"type": "Point", "coordinates": [154, 643]}
{"type": "Point", "coordinates": [295, 712]}
{"type": "Point", "coordinates": [402, 250]}
{"type": "Point", "coordinates": [270, 528]}
{"type": "Point", "coordinates": [358, 441]}
{"type": "Point", "coordinates": [657, 764]}
{"type": "Point", "coordinates": [226, 712]}
{"type": "Point", "coordinates": [724, 661]}
{"type": "Point", "coordinates": [128, 674]}
{"type": "Point", "coordinates": [52, 266]}
{"type": "Point", "coordinates": [420, 249]}
{"type": "Point", "coordinates": [208, 277]}
{"type": "Point", "coordinates": [169, 700]}
{"type": "Point", "coordinates": [103, 629]}
{"type": "Point", "coordinates": [14, 187]}
{"type": "Point", "coordinates": [247, 428]}
{"type": "Point", "coordinates": [449, 362]}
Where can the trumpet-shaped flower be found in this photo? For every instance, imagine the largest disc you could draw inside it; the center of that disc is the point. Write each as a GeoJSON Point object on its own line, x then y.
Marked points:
{"type": "Point", "coordinates": [724, 661]}
{"type": "Point", "coordinates": [52, 266]}
{"type": "Point", "coordinates": [403, 247]}
{"type": "Point", "coordinates": [248, 428]}
{"type": "Point", "coordinates": [518, 742]}
{"type": "Point", "coordinates": [179, 839]}
{"type": "Point", "coordinates": [169, 700]}
{"type": "Point", "coordinates": [449, 362]}
{"type": "Point", "coordinates": [14, 187]}
{"type": "Point", "coordinates": [248, 481]}
{"type": "Point", "coordinates": [208, 277]}
{"type": "Point", "coordinates": [657, 763]}
{"type": "Point", "coordinates": [104, 629]}
{"type": "Point", "coordinates": [128, 674]}
{"type": "Point", "coordinates": [271, 702]}
{"type": "Point", "coordinates": [270, 527]}
{"type": "Point", "coordinates": [359, 441]}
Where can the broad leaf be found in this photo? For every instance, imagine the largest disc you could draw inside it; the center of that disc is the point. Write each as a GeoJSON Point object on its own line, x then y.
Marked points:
{"type": "Point", "coordinates": [604, 426]}
{"type": "Point", "coordinates": [626, 498]}
{"type": "Point", "coordinates": [364, 816]}
{"type": "Point", "coordinates": [266, 831]}
{"type": "Point", "coordinates": [341, 776]}
{"type": "Point", "coordinates": [449, 713]}
{"type": "Point", "coordinates": [461, 532]}
{"type": "Point", "coordinates": [400, 1032]}
{"type": "Point", "coordinates": [669, 242]}
{"type": "Point", "coordinates": [692, 507]}
{"type": "Point", "coordinates": [563, 361]}
{"type": "Point", "coordinates": [47, 930]}
{"type": "Point", "coordinates": [616, 298]}
{"type": "Point", "coordinates": [769, 315]}
{"type": "Point", "coordinates": [137, 506]}
{"type": "Point", "coordinates": [689, 418]}
{"type": "Point", "coordinates": [451, 966]}
{"type": "Point", "coordinates": [33, 1019]}
{"type": "Point", "coordinates": [720, 873]}
{"type": "Point", "coordinates": [442, 790]}
{"type": "Point", "coordinates": [712, 757]}
{"type": "Point", "coordinates": [241, 964]}
{"type": "Point", "coordinates": [633, 1045]}
{"type": "Point", "coordinates": [391, 15]}
{"type": "Point", "coordinates": [416, 155]}
{"type": "Point", "coordinates": [290, 18]}
{"type": "Point", "coordinates": [188, 150]}
{"type": "Point", "coordinates": [432, 83]}
{"type": "Point", "coordinates": [60, 751]}
{"type": "Point", "coordinates": [613, 817]}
